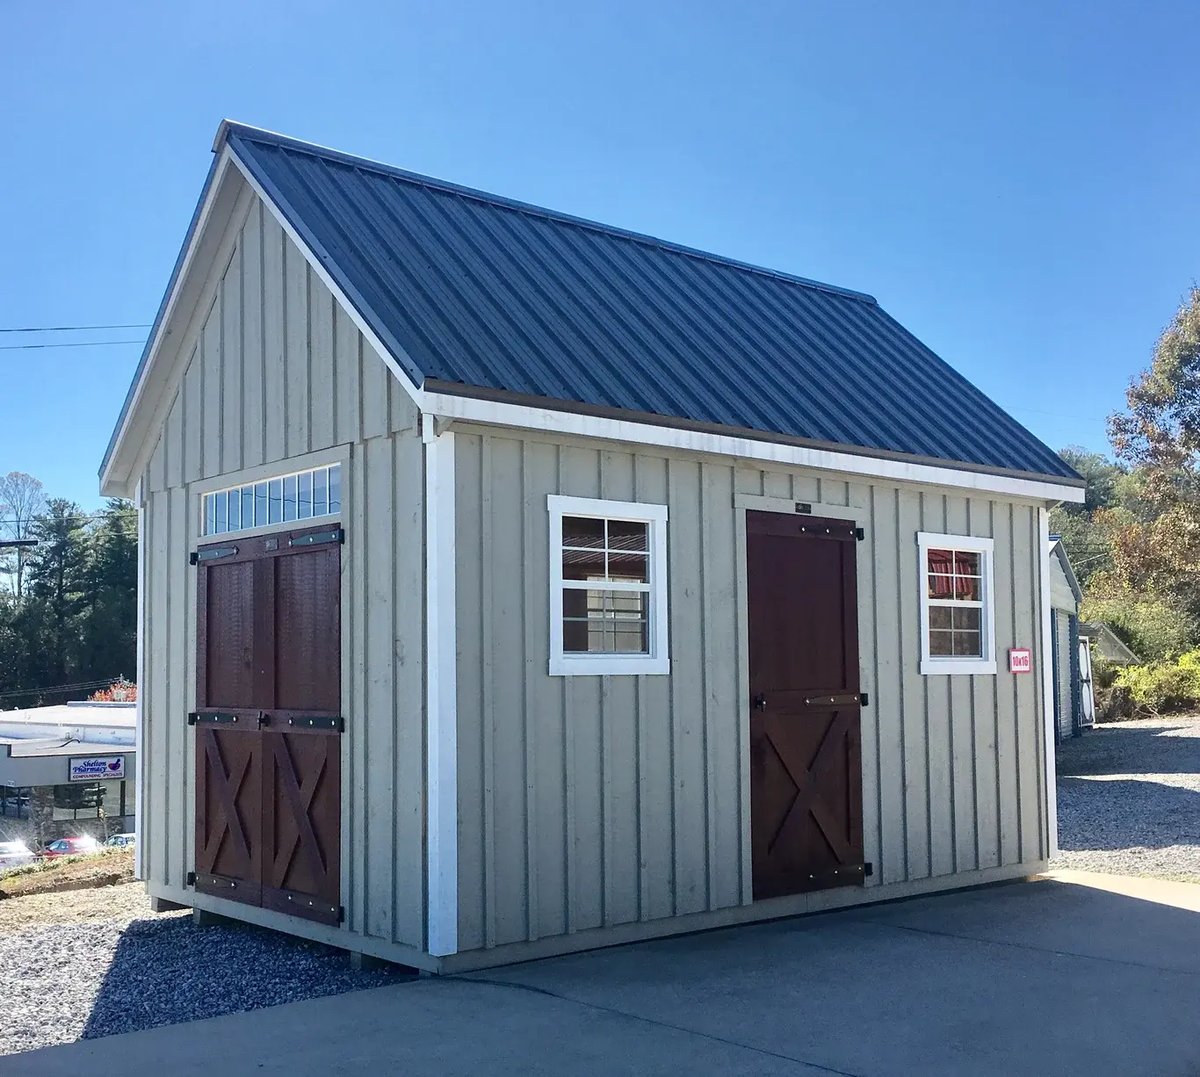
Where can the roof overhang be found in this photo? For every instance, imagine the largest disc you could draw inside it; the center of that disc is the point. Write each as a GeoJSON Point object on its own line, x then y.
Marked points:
{"type": "Point", "coordinates": [152, 382]}
{"type": "Point", "coordinates": [1060, 551]}
{"type": "Point", "coordinates": [553, 417]}
{"type": "Point", "coordinates": [231, 180]}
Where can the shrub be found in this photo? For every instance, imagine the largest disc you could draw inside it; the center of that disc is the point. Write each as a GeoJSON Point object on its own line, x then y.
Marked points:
{"type": "Point", "coordinates": [1160, 687]}
{"type": "Point", "coordinates": [1104, 673]}
{"type": "Point", "coordinates": [1153, 629]}
{"type": "Point", "coordinates": [1114, 704]}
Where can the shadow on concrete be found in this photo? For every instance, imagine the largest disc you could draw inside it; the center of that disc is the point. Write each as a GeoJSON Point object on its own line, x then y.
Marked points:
{"type": "Point", "coordinates": [168, 969]}
{"type": "Point", "coordinates": [1125, 813]}
{"type": "Point", "coordinates": [1042, 977]}
{"type": "Point", "coordinates": [1116, 748]}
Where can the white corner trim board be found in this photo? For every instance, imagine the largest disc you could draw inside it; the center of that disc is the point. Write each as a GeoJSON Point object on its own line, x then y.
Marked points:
{"type": "Point", "coordinates": [499, 413]}
{"type": "Point", "coordinates": [139, 735]}
{"type": "Point", "coordinates": [1047, 672]}
{"type": "Point", "coordinates": [441, 685]}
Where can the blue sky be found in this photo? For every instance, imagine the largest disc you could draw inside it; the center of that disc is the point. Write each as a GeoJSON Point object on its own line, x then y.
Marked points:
{"type": "Point", "coordinates": [1016, 182]}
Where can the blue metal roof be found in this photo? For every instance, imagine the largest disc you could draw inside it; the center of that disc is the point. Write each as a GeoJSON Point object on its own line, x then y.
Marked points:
{"type": "Point", "coordinates": [479, 293]}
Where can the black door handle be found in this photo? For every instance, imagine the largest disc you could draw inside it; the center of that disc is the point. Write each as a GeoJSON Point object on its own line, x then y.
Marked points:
{"type": "Point", "coordinates": [760, 703]}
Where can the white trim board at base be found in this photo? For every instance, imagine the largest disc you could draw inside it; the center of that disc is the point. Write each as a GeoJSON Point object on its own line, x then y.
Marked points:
{"type": "Point", "coordinates": [550, 421]}
{"type": "Point", "coordinates": [845, 897]}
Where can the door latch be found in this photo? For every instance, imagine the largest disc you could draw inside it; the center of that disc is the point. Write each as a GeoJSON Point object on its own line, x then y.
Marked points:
{"type": "Point", "coordinates": [760, 703]}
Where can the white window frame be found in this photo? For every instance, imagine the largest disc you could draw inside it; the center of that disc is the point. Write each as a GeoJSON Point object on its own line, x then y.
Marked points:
{"type": "Point", "coordinates": [985, 547]}
{"type": "Point", "coordinates": [658, 661]}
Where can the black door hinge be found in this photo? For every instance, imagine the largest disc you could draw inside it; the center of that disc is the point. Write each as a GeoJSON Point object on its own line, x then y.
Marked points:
{"type": "Point", "coordinates": [217, 718]}
{"type": "Point", "coordinates": [300, 721]}
{"type": "Point", "coordinates": [211, 554]}
{"type": "Point", "coordinates": [191, 878]}
{"type": "Point", "coordinates": [859, 534]}
{"type": "Point", "coordinates": [336, 535]}
{"type": "Point", "coordinates": [864, 699]}
{"type": "Point", "coordinates": [868, 869]}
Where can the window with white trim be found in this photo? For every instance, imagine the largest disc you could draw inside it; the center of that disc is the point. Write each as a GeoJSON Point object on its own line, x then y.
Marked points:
{"type": "Point", "coordinates": [302, 495]}
{"type": "Point", "coordinates": [608, 587]}
{"type": "Point", "coordinates": [958, 617]}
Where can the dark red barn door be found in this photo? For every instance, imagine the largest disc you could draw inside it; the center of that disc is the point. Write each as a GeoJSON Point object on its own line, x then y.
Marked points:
{"type": "Point", "coordinates": [268, 723]}
{"type": "Point", "coordinates": [805, 734]}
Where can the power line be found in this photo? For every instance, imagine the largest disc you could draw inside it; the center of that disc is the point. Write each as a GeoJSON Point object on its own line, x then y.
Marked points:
{"type": "Point", "coordinates": [71, 328]}
{"type": "Point", "coordinates": [80, 344]}
{"type": "Point", "coordinates": [80, 686]}
{"type": "Point", "coordinates": [72, 516]}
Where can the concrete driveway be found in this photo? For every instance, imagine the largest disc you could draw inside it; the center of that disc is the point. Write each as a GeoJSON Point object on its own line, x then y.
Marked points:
{"type": "Point", "coordinates": [1075, 974]}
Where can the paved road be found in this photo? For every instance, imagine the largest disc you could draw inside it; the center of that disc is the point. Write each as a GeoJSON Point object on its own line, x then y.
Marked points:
{"type": "Point", "coordinates": [1060, 977]}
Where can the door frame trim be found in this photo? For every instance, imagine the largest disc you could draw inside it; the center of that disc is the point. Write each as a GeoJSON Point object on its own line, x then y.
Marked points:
{"type": "Point", "coordinates": [786, 506]}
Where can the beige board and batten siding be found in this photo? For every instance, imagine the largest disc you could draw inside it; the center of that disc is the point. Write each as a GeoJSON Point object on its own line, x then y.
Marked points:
{"type": "Point", "coordinates": [592, 803]}
{"type": "Point", "coordinates": [277, 371]}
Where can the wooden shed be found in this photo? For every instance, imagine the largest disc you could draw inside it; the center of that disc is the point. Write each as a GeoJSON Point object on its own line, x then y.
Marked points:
{"type": "Point", "coordinates": [512, 584]}
{"type": "Point", "coordinates": [1071, 665]}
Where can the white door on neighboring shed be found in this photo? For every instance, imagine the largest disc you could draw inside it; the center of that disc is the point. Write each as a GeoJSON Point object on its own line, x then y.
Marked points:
{"type": "Point", "coordinates": [1087, 709]}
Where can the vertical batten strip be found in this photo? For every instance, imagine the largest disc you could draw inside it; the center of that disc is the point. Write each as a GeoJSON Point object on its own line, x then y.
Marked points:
{"type": "Point", "coordinates": [441, 685]}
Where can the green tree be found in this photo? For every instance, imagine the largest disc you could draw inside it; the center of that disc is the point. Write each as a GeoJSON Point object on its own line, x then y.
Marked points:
{"type": "Point", "coordinates": [1150, 581]}
{"type": "Point", "coordinates": [1159, 433]}
{"type": "Point", "coordinates": [56, 578]}
{"type": "Point", "coordinates": [108, 628]}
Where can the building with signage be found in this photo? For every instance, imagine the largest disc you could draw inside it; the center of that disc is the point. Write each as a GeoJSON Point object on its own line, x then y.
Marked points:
{"type": "Point", "coordinates": [67, 770]}
{"type": "Point", "coordinates": [513, 584]}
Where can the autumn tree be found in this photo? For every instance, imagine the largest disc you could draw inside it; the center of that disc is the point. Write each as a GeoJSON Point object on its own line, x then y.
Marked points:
{"type": "Point", "coordinates": [1151, 530]}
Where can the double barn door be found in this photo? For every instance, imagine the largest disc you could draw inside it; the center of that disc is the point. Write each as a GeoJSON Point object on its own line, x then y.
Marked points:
{"type": "Point", "coordinates": [268, 721]}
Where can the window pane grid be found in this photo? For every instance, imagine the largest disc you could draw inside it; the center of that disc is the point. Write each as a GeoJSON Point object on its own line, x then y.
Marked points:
{"type": "Point", "coordinates": [955, 598]}
{"type": "Point", "coordinates": [303, 495]}
{"type": "Point", "coordinates": [606, 585]}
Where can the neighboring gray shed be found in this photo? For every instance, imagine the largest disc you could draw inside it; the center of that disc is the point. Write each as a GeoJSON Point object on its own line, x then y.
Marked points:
{"type": "Point", "coordinates": [1071, 678]}
{"type": "Point", "coordinates": [552, 586]}
{"type": "Point", "coordinates": [1107, 644]}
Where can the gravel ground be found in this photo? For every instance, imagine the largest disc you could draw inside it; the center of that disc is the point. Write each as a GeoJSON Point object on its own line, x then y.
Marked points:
{"type": "Point", "coordinates": [94, 962]}
{"type": "Point", "coordinates": [1129, 799]}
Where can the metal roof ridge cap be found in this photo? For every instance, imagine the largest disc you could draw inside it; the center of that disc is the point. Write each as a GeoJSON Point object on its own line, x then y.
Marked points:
{"type": "Point", "coordinates": [231, 129]}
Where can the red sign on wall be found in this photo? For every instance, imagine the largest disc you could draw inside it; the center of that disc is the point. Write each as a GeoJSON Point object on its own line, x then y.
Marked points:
{"type": "Point", "coordinates": [1020, 660]}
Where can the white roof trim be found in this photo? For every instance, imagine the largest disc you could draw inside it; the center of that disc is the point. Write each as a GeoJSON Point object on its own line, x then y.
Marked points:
{"type": "Point", "coordinates": [1060, 551]}
{"type": "Point", "coordinates": [109, 482]}
{"type": "Point", "coordinates": [499, 413]}
{"type": "Point", "coordinates": [318, 267]}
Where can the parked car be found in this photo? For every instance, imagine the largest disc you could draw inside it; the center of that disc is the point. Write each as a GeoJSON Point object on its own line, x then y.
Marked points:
{"type": "Point", "coordinates": [15, 853]}
{"type": "Point", "coordinates": [121, 841]}
{"type": "Point", "coordinates": [72, 847]}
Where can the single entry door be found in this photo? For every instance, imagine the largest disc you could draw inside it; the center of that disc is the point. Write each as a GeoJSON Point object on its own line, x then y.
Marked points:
{"type": "Point", "coordinates": [268, 721]}
{"type": "Point", "coordinates": [805, 732]}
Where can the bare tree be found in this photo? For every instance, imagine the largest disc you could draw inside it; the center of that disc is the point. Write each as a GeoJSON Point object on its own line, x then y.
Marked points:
{"type": "Point", "coordinates": [22, 497]}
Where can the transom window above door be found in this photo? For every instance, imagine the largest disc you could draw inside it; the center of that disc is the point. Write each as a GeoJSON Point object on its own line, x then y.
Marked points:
{"type": "Point", "coordinates": [608, 588]}
{"type": "Point", "coordinates": [957, 610]}
{"type": "Point", "coordinates": [302, 495]}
